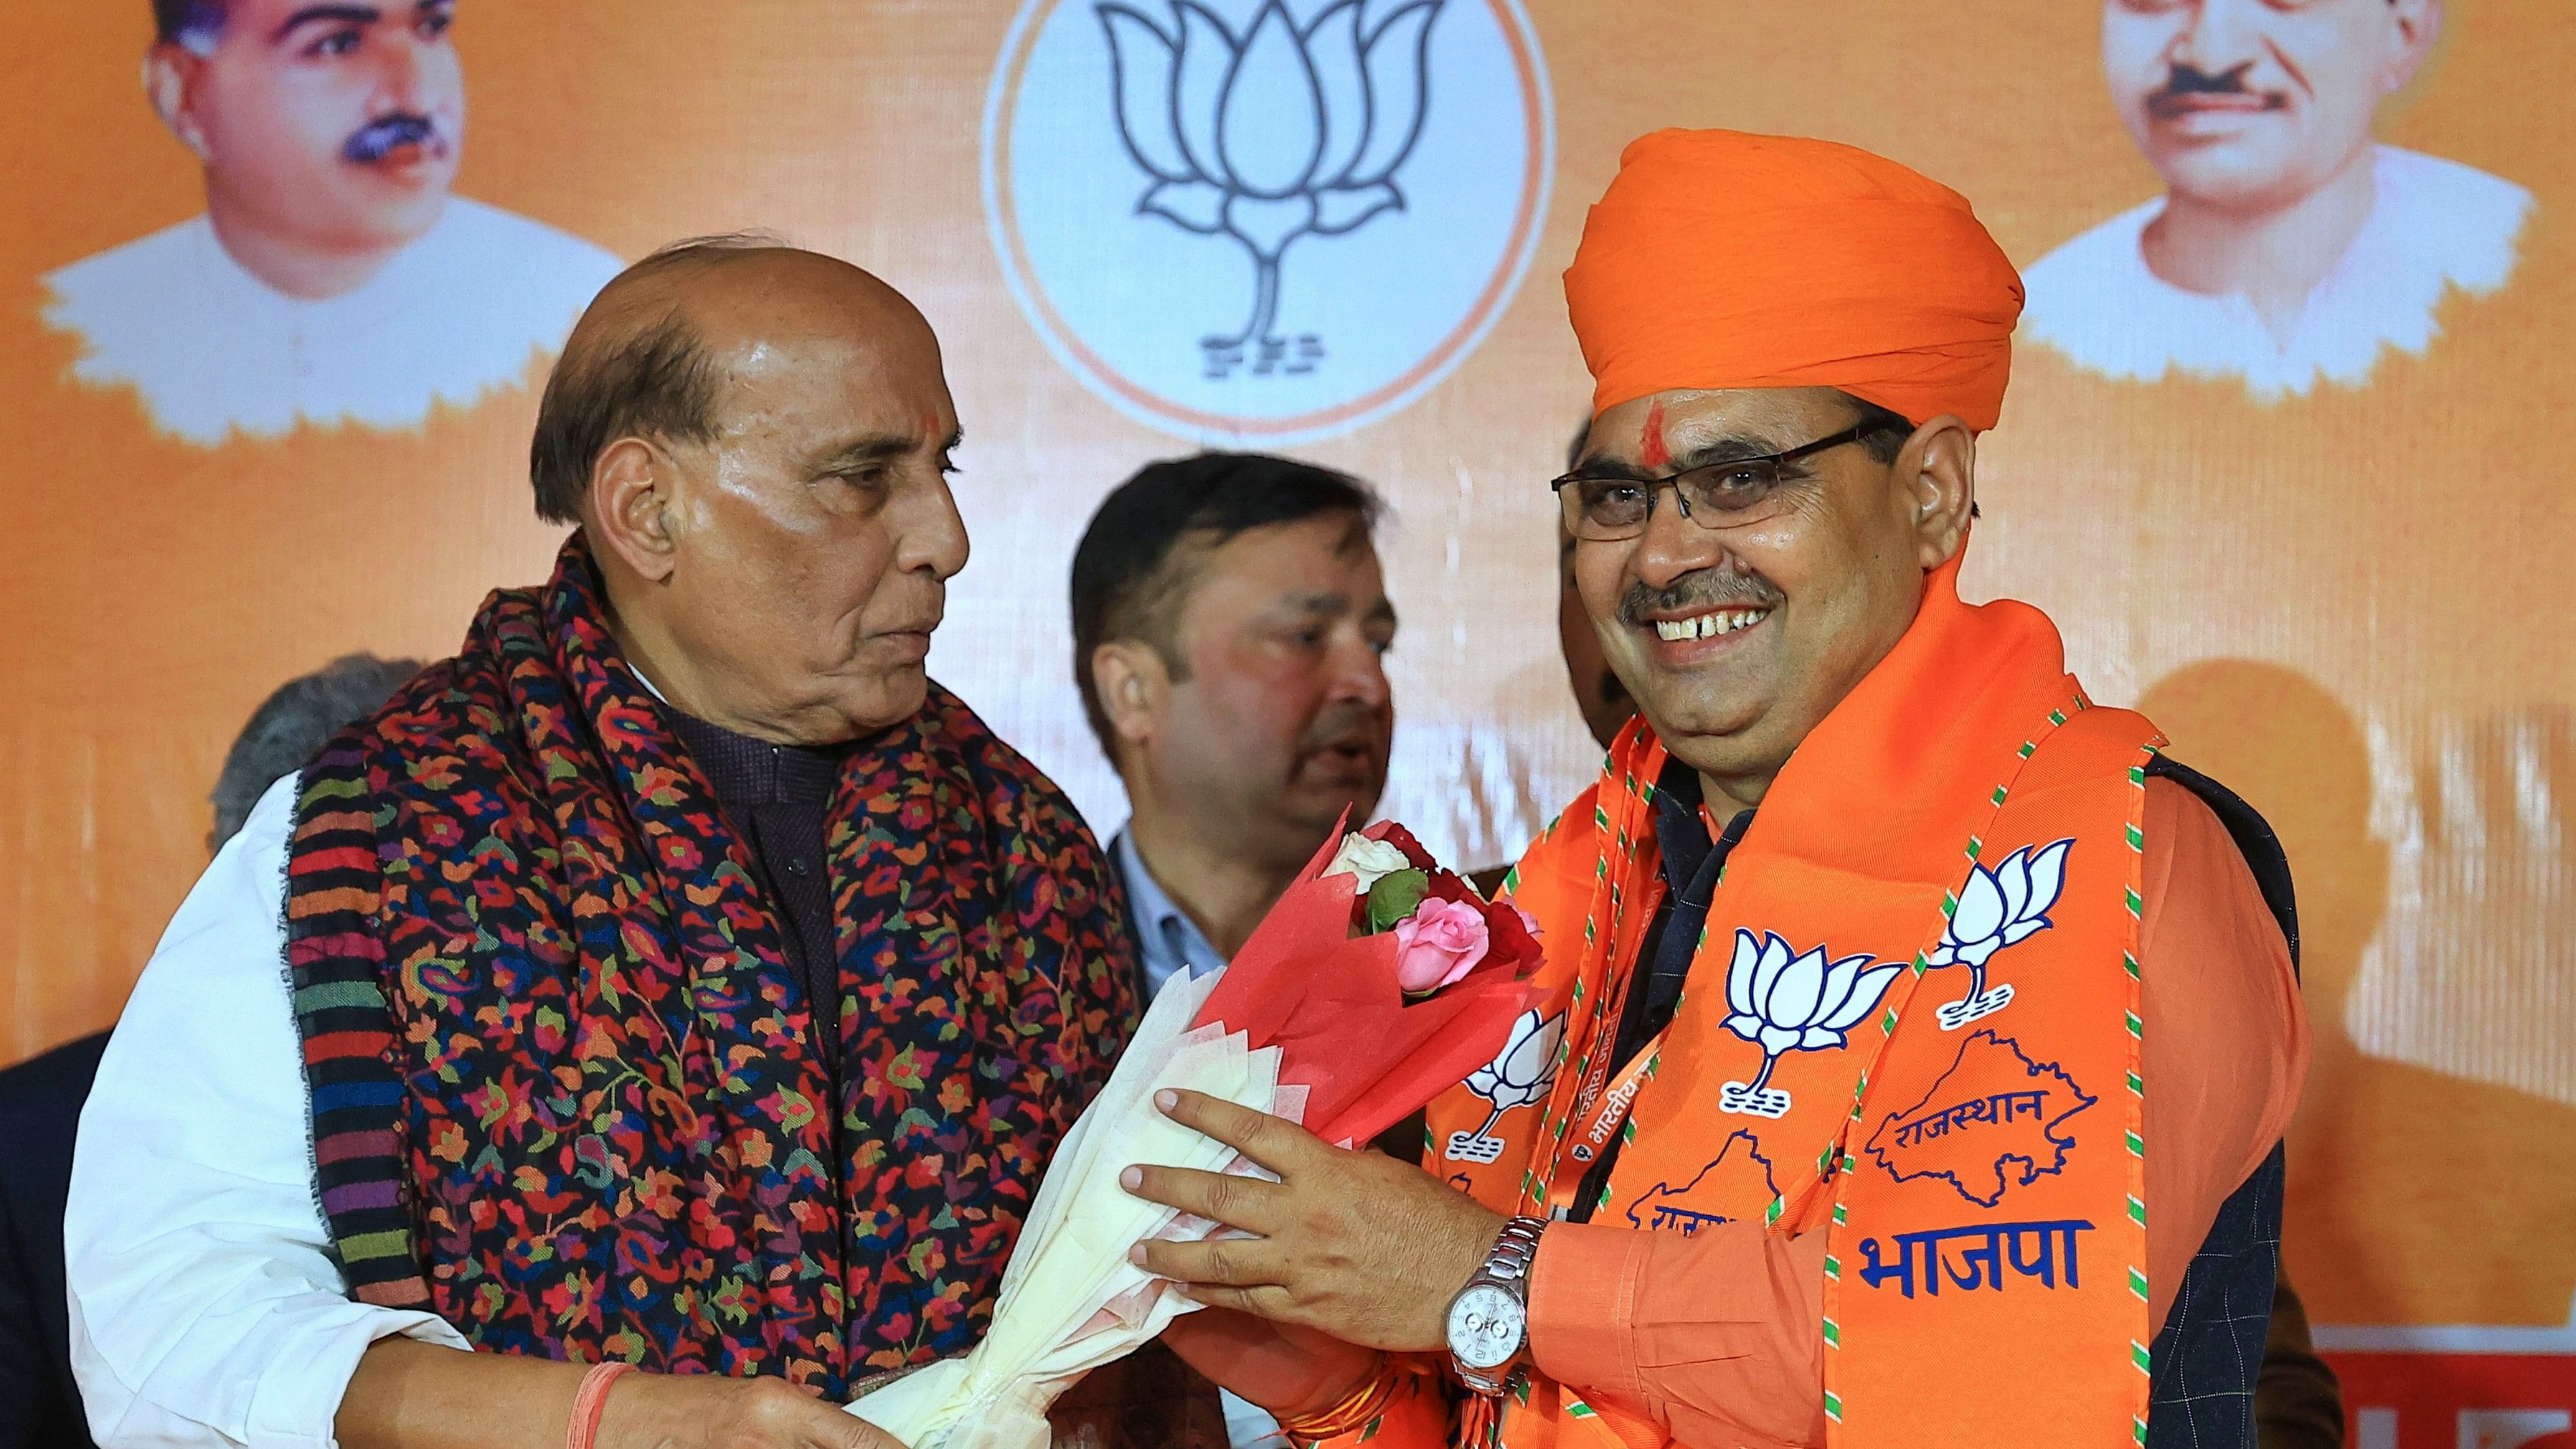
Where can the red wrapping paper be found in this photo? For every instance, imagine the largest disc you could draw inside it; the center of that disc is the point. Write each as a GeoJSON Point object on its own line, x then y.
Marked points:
{"type": "Point", "coordinates": [1329, 1001]}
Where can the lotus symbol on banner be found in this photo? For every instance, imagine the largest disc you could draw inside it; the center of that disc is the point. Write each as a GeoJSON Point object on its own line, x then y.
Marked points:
{"type": "Point", "coordinates": [1997, 908]}
{"type": "Point", "coordinates": [1270, 134]}
{"type": "Point", "coordinates": [1786, 1002]}
{"type": "Point", "coordinates": [1520, 1076]}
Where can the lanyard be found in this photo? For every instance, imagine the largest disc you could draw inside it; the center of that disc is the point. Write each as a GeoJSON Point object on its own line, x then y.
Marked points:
{"type": "Point", "coordinates": [1611, 1113]}
{"type": "Point", "coordinates": [1601, 1109]}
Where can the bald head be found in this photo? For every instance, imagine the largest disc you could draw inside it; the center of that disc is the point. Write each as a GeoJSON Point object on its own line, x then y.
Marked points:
{"type": "Point", "coordinates": [652, 353]}
{"type": "Point", "coordinates": [755, 441]}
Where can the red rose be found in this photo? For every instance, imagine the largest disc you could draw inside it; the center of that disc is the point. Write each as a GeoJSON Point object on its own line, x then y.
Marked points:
{"type": "Point", "coordinates": [1514, 936]}
{"type": "Point", "coordinates": [1448, 885]}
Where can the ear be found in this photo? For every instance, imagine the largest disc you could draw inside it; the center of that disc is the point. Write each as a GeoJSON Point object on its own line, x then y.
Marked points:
{"type": "Point", "coordinates": [1937, 471]}
{"type": "Point", "coordinates": [170, 73]}
{"type": "Point", "coordinates": [2414, 25]}
{"type": "Point", "coordinates": [1133, 686]}
{"type": "Point", "coordinates": [631, 512]}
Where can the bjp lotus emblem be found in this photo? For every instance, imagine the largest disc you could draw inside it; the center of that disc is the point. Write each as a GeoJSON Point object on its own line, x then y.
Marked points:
{"type": "Point", "coordinates": [2001, 907]}
{"type": "Point", "coordinates": [1262, 223]}
{"type": "Point", "coordinates": [1269, 134]}
{"type": "Point", "coordinates": [1521, 1076]}
{"type": "Point", "coordinates": [1784, 1001]}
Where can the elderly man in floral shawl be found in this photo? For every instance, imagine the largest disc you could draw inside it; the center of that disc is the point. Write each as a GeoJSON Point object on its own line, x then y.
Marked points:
{"type": "Point", "coordinates": [675, 979]}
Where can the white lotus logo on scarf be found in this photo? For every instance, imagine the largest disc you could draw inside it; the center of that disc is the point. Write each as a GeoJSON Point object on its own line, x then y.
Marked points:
{"type": "Point", "coordinates": [1786, 1002]}
{"type": "Point", "coordinates": [1266, 219]}
{"type": "Point", "coordinates": [1521, 1076]}
{"type": "Point", "coordinates": [1997, 908]}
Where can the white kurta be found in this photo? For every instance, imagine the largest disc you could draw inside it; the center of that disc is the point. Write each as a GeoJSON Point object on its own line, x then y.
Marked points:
{"type": "Point", "coordinates": [467, 308]}
{"type": "Point", "coordinates": [205, 1309]}
{"type": "Point", "coordinates": [2435, 225]}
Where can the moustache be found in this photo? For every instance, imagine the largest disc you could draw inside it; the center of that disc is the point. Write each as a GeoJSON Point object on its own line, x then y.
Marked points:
{"type": "Point", "coordinates": [2186, 80]}
{"type": "Point", "coordinates": [384, 135]}
{"type": "Point", "coordinates": [1708, 588]}
{"type": "Point", "coordinates": [1342, 724]}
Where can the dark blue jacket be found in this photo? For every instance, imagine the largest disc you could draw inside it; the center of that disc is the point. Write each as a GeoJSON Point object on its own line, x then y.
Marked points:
{"type": "Point", "coordinates": [40, 1103]}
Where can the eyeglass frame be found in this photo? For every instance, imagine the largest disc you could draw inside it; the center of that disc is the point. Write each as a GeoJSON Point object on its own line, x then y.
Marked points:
{"type": "Point", "coordinates": [1656, 486]}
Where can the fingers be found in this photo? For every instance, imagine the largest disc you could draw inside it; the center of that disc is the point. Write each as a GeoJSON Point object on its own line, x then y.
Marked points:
{"type": "Point", "coordinates": [1280, 1366]}
{"type": "Point", "coordinates": [838, 1430]}
{"type": "Point", "coordinates": [1220, 1336]}
{"type": "Point", "coordinates": [1265, 1300]}
{"type": "Point", "coordinates": [1235, 1262]}
{"type": "Point", "coordinates": [1241, 1202]}
{"type": "Point", "coordinates": [1274, 1142]}
{"type": "Point", "coordinates": [770, 1411]}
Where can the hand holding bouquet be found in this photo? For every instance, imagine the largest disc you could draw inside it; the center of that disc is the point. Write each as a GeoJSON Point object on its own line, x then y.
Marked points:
{"type": "Point", "coordinates": [1378, 981]}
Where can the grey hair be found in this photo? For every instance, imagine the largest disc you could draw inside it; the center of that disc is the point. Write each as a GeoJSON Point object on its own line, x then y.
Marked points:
{"type": "Point", "coordinates": [293, 724]}
{"type": "Point", "coordinates": [656, 380]}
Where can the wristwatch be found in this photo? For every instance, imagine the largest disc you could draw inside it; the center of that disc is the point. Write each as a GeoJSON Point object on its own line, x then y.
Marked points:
{"type": "Point", "coordinates": [1489, 1319]}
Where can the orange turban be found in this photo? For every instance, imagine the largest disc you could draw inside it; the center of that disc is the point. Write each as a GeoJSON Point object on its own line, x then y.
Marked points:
{"type": "Point", "coordinates": [1722, 260]}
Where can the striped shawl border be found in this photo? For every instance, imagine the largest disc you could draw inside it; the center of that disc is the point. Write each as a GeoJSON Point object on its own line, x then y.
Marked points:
{"type": "Point", "coordinates": [334, 968]}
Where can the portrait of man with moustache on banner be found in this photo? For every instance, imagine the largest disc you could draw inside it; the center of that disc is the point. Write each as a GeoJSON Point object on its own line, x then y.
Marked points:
{"type": "Point", "coordinates": [332, 277]}
{"type": "Point", "coordinates": [2290, 247]}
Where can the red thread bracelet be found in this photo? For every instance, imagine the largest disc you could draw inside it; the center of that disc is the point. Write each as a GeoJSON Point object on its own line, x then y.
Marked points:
{"type": "Point", "coordinates": [589, 1402]}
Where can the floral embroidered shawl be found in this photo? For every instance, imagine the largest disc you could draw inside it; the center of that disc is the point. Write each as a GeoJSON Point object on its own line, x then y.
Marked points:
{"type": "Point", "coordinates": [564, 1089]}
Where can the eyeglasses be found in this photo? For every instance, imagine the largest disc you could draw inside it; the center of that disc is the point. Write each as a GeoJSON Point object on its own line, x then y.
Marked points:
{"type": "Point", "coordinates": [1730, 494]}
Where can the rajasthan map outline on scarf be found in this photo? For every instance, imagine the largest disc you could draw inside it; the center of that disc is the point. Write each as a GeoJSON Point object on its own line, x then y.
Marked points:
{"type": "Point", "coordinates": [561, 1084]}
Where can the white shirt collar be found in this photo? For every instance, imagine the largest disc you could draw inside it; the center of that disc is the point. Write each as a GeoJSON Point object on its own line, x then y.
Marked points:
{"type": "Point", "coordinates": [2434, 225]}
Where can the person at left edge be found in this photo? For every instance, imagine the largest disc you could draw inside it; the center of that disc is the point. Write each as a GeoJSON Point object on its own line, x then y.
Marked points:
{"type": "Point", "coordinates": [680, 976]}
{"type": "Point", "coordinates": [40, 1099]}
{"type": "Point", "coordinates": [333, 277]}
{"type": "Point", "coordinates": [1230, 627]}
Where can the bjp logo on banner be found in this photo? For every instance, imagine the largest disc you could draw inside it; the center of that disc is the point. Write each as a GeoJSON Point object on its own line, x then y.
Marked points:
{"type": "Point", "coordinates": [1266, 220]}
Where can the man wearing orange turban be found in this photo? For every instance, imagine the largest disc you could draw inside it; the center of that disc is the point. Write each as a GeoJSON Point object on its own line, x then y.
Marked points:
{"type": "Point", "coordinates": [1914, 1044]}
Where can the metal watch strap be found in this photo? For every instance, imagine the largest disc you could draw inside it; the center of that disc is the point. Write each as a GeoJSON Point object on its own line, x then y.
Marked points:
{"type": "Point", "coordinates": [1506, 1266]}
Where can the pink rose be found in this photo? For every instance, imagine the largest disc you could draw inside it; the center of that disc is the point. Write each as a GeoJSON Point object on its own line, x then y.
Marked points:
{"type": "Point", "coordinates": [1439, 943]}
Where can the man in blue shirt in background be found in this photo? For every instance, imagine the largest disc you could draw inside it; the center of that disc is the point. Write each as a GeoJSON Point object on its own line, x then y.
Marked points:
{"type": "Point", "coordinates": [1230, 624]}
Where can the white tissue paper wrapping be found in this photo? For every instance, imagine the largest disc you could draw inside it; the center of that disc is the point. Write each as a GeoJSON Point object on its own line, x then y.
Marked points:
{"type": "Point", "coordinates": [1070, 1301]}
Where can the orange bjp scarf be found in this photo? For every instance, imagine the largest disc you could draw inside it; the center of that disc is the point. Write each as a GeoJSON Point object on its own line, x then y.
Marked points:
{"type": "Point", "coordinates": [1971, 1139]}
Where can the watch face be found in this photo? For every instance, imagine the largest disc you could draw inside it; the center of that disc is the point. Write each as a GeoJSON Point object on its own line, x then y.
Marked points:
{"type": "Point", "coordinates": [1485, 1326]}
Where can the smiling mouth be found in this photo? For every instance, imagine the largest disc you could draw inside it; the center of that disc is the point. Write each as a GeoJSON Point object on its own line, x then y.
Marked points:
{"type": "Point", "coordinates": [1708, 626]}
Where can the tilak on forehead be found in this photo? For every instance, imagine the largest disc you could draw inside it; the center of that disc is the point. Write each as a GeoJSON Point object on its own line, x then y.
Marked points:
{"type": "Point", "coordinates": [1719, 259]}
{"type": "Point", "coordinates": [1651, 449]}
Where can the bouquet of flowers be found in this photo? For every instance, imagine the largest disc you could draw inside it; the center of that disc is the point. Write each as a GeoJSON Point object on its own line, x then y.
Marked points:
{"type": "Point", "coordinates": [1383, 979]}
{"type": "Point", "coordinates": [1377, 982]}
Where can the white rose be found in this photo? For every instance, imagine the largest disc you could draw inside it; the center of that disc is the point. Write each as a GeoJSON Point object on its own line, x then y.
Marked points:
{"type": "Point", "coordinates": [1366, 861]}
